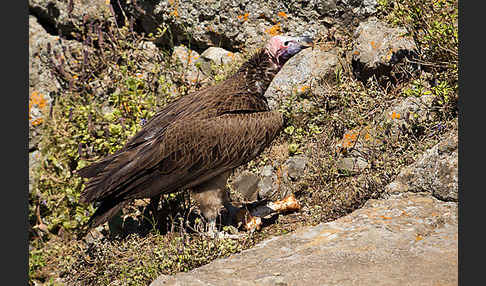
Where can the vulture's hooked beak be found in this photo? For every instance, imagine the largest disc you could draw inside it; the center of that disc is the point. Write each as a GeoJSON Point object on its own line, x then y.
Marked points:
{"type": "Point", "coordinates": [306, 42]}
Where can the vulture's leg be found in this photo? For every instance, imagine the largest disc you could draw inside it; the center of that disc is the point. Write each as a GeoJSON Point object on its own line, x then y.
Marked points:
{"type": "Point", "coordinates": [213, 198]}
{"type": "Point", "coordinates": [154, 207]}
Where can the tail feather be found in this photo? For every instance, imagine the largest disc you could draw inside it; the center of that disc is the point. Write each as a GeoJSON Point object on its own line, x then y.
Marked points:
{"type": "Point", "coordinates": [105, 212]}
{"type": "Point", "coordinates": [99, 175]}
{"type": "Point", "coordinates": [95, 168]}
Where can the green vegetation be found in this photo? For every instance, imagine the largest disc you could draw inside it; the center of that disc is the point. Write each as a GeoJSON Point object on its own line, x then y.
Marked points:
{"type": "Point", "coordinates": [433, 24]}
{"type": "Point", "coordinates": [87, 123]}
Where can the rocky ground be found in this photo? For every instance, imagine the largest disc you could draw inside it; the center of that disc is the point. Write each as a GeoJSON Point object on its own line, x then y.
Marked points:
{"type": "Point", "coordinates": [369, 148]}
{"type": "Point", "coordinates": [406, 239]}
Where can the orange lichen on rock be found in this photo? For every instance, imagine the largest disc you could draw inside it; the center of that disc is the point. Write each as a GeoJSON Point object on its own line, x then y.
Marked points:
{"type": "Point", "coordinates": [274, 30]}
{"type": "Point", "coordinates": [243, 17]}
{"type": "Point", "coordinates": [174, 12]}
{"type": "Point", "coordinates": [395, 115]}
{"type": "Point", "coordinates": [36, 99]}
{"type": "Point", "coordinates": [282, 14]}
{"type": "Point", "coordinates": [351, 137]}
{"type": "Point", "coordinates": [303, 88]}
{"type": "Point", "coordinates": [373, 45]}
{"type": "Point", "coordinates": [36, 121]}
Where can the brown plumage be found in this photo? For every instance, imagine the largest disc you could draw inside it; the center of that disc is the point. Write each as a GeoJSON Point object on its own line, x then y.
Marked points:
{"type": "Point", "coordinates": [195, 140]}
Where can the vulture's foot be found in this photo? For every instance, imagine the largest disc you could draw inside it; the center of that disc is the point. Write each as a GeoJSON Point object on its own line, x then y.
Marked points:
{"type": "Point", "coordinates": [214, 204]}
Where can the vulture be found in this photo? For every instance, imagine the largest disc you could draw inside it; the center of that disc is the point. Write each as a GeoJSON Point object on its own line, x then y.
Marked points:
{"type": "Point", "coordinates": [195, 142]}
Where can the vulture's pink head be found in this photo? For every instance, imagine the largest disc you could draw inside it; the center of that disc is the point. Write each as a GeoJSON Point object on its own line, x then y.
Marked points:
{"type": "Point", "coordinates": [282, 48]}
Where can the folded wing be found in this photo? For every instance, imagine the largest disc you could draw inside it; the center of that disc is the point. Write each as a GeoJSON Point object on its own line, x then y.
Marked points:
{"type": "Point", "coordinates": [189, 153]}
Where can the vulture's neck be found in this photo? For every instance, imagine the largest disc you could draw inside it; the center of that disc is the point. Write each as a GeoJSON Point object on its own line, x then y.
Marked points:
{"type": "Point", "coordinates": [258, 73]}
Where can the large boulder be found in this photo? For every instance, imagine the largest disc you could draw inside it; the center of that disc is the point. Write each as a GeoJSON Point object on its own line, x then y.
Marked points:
{"type": "Point", "coordinates": [235, 25]}
{"type": "Point", "coordinates": [297, 74]}
{"type": "Point", "coordinates": [407, 239]}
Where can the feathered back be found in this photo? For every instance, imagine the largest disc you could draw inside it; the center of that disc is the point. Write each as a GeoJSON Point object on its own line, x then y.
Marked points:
{"type": "Point", "coordinates": [191, 140]}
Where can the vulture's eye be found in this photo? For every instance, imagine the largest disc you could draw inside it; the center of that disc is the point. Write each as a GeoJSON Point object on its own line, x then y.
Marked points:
{"type": "Point", "coordinates": [286, 43]}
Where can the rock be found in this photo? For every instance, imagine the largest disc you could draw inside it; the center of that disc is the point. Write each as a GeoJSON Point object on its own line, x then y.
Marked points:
{"type": "Point", "coordinates": [41, 81]}
{"type": "Point", "coordinates": [407, 239]}
{"type": "Point", "coordinates": [34, 163]}
{"type": "Point", "coordinates": [61, 19]}
{"type": "Point", "coordinates": [406, 113]}
{"type": "Point", "coordinates": [43, 85]}
{"type": "Point", "coordinates": [435, 172]}
{"type": "Point", "coordinates": [216, 56]}
{"type": "Point", "coordinates": [377, 47]}
{"type": "Point", "coordinates": [276, 184]}
{"type": "Point", "coordinates": [187, 58]}
{"type": "Point", "coordinates": [219, 56]}
{"type": "Point", "coordinates": [267, 186]}
{"type": "Point", "coordinates": [271, 280]}
{"type": "Point", "coordinates": [40, 76]}
{"type": "Point", "coordinates": [148, 54]}
{"type": "Point", "coordinates": [392, 122]}
{"type": "Point", "coordinates": [296, 75]}
{"type": "Point", "coordinates": [234, 25]}
{"type": "Point", "coordinates": [296, 167]}
{"type": "Point", "coordinates": [246, 184]}
{"type": "Point", "coordinates": [352, 164]}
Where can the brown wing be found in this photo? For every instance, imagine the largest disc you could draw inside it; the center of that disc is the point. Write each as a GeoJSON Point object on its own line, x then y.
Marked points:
{"type": "Point", "coordinates": [189, 153]}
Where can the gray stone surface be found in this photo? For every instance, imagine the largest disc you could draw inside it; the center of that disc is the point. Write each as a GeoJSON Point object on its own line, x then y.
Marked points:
{"type": "Point", "coordinates": [42, 86]}
{"type": "Point", "coordinates": [59, 16]}
{"type": "Point", "coordinates": [214, 58]}
{"type": "Point", "coordinates": [42, 83]}
{"type": "Point", "coordinates": [40, 76]}
{"type": "Point", "coordinates": [246, 184]}
{"type": "Point", "coordinates": [352, 165]}
{"type": "Point", "coordinates": [187, 59]}
{"type": "Point", "coordinates": [376, 45]}
{"type": "Point", "coordinates": [296, 75]}
{"type": "Point", "coordinates": [34, 161]}
{"type": "Point", "coordinates": [435, 172]}
{"type": "Point", "coordinates": [296, 167]}
{"type": "Point", "coordinates": [267, 186]}
{"type": "Point", "coordinates": [407, 239]}
{"type": "Point", "coordinates": [234, 25]}
{"type": "Point", "coordinates": [219, 56]}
